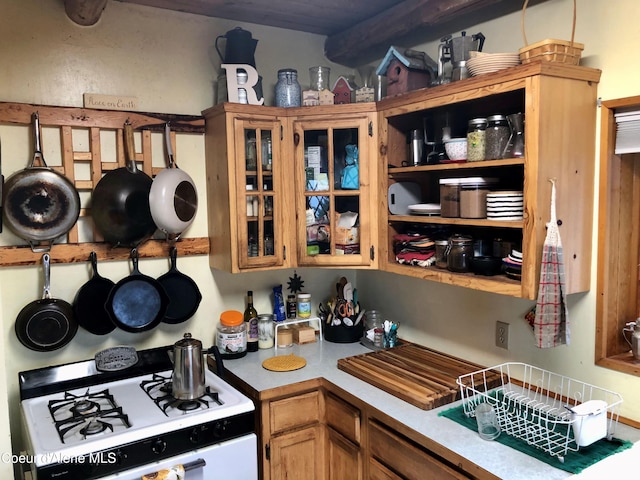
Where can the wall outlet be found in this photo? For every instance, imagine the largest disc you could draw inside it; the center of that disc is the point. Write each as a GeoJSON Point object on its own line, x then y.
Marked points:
{"type": "Point", "coordinates": [502, 335]}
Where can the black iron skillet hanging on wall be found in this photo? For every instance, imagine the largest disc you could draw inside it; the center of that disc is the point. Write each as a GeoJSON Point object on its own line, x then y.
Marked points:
{"type": "Point", "coordinates": [183, 292]}
{"type": "Point", "coordinates": [88, 305]}
{"type": "Point", "coordinates": [137, 303]}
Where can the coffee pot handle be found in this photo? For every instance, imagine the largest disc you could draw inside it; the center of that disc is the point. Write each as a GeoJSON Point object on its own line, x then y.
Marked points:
{"type": "Point", "coordinates": [217, 49]}
{"type": "Point", "coordinates": [479, 36]}
{"type": "Point", "coordinates": [219, 365]}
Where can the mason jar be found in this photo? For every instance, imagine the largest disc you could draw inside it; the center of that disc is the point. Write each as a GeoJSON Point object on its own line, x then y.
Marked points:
{"type": "Point", "coordinates": [460, 253]}
{"type": "Point", "coordinates": [287, 90]}
{"type": "Point", "coordinates": [476, 138]}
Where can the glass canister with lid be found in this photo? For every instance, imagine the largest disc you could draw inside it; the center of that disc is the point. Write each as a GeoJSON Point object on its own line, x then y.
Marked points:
{"type": "Point", "coordinates": [476, 139]}
{"type": "Point", "coordinates": [460, 253]}
{"type": "Point", "coordinates": [287, 90]}
{"type": "Point", "coordinates": [473, 196]}
{"type": "Point", "coordinates": [496, 136]}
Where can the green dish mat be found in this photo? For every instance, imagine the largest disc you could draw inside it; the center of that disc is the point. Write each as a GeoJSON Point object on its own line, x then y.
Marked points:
{"type": "Point", "coordinates": [574, 462]}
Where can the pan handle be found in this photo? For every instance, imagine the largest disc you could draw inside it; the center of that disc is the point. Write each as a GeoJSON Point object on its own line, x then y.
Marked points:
{"type": "Point", "coordinates": [130, 147]}
{"type": "Point", "coordinates": [134, 260]}
{"type": "Point", "coordinates": [46, 265]}
{"type": "Point", "coordinates": [167, 138]}
{"type": "Point", "coordinates": [37, 154]}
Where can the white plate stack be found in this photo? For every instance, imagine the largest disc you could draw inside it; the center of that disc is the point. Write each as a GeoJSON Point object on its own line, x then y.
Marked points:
{"type": "Point", "coordinates": [505, 205]}
{"type": "Point", "coordinates": [491, 62]}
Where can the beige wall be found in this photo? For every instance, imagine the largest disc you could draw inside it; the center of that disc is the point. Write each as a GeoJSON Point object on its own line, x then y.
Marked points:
{"type": "Point", "coordinates": [167, 60]}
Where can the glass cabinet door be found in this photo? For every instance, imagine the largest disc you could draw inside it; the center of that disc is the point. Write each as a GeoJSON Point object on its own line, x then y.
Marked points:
{"type": "Point", "coordinates": [332, 192]}
{"type": "Point", "coordinates": [259, 193]}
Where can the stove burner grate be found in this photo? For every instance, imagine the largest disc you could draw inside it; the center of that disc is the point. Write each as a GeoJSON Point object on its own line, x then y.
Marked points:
{"type": "Point", "coordinates": [94, 411]}
{"type": "Point", "coordinates": [159, 389]}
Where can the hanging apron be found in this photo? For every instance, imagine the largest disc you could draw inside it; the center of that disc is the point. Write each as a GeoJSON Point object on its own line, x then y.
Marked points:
{"type": "Point", "coordinates": [551, 322]}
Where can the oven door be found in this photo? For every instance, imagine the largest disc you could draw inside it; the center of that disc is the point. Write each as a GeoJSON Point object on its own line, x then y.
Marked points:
{"type": "Point", "coordinates": [235, 459]}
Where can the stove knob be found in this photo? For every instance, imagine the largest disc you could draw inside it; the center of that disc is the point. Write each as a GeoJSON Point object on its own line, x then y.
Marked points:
{"type": "Point", "coordinates": [158, 446]}
{"type": "Point", "coordinates": [220, 428]}
{"type": "Point", "coordinates": [194, 436]}
{"type": "Point", "coordinates": [120, 456]}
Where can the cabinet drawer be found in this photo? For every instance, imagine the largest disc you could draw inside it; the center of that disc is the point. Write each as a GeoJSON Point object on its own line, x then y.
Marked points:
{"type": "Point", "coordinates": [294, 411]}
{"type": "Point", "coordinates": [343, 417]}
{"type": "Point", "coordinates": [405, 458]}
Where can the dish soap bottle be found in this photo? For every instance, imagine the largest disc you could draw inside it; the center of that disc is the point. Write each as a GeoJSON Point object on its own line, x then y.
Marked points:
{"type": "Point", "coordinates": [251, 320]}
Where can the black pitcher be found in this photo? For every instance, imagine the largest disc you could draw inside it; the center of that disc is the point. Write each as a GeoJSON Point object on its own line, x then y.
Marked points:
{"type": "Point", "coordinates": [240, 47]}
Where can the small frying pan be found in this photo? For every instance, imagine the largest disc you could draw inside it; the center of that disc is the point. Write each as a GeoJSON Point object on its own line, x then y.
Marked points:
{"type": "Point", "coordinates": [88, 306]}
{"type": "Point", "coordinates": [47, 324]}
{"type": "Point", "coordinates": [138, 302]}
{"type": "Point", "coordinates": [183, 292]}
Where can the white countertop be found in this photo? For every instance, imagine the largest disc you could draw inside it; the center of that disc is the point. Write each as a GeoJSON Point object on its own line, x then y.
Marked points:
{"type": "Point", "coordinates": [498, 459]}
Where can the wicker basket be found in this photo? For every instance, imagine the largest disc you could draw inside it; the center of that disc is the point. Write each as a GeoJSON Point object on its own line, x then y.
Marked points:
{"type": "Point", "coordinates": [551, 50]}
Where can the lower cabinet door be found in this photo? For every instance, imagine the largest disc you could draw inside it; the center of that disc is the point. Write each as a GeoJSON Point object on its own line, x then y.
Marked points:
{"type": "Point", "coordinates": [298, 455]}
{"type": "Point", "coordinates": [344, 459]}
{"type": "Point", "coordinates": [377, 471]}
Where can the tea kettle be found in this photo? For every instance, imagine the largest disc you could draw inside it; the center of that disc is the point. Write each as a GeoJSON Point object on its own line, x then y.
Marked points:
{"type": "Point", "coordinates": [634, 329]}
{"type": "Point", "coordinates": [189, 363]}
{"type": "Point", "coordinates": [457, 51]}
{"type": "Point", "coordinates": [240, 47]}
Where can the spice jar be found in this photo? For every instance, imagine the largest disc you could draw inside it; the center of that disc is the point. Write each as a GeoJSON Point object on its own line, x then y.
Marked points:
{"type": "Point", "coordinates": [231, 338]}
{"type": "Point", "coordinates": [287, 90]}
{"type": "Point", "coordinates": [292, 306]}
{"type": "Point", "coordinates": [265, 331]}
{"type": "Point", "coordinates": [476, 137]}
{"type": "Point", "coordinates": [496, 136]}
{"type": "Point", "coordinates": [304, 305]}
{"type": "Point", "coordinates": [460, 253]}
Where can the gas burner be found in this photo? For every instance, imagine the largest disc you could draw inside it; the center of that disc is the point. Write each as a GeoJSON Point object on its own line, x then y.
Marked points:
{"type": "Point", "coordinates": [159, 389]}
{"type": "Point", "coordinates": [93, 412]}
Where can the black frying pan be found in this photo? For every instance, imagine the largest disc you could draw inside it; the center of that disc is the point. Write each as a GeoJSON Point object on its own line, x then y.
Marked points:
{"type": "Point", "coordinates": [47, 324]}
{"type": "Point", "coordinates": [88, 306]}
{"type": "Point", "coordinates": [183, 293]}
{"type": "Point", "coordinates": [138, 302]}
{"type": "Point", "coordinates": [120, 201]}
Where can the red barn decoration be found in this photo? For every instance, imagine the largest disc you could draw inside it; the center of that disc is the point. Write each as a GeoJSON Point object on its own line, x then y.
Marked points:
{"type": "Point", "coordinates": [406, 70]}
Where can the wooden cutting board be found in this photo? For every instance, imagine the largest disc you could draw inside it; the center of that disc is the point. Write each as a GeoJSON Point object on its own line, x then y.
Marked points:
{"type": "Point", "coordinates": [416, 374]}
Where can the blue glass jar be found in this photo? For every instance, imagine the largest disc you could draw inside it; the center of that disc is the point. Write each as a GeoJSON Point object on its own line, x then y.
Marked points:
{"type": "Point", "coordinates": [287, 91]}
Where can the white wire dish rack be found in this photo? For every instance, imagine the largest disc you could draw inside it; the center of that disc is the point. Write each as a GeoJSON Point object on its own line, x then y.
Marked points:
{"type": "Point", "coordinates": [549, 411]}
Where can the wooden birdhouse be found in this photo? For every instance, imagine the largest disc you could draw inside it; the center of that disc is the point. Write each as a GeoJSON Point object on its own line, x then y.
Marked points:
{"type": "Point", "coordinates": [343, 90]}
{"type": "Point", "coordinates": [406, 70]}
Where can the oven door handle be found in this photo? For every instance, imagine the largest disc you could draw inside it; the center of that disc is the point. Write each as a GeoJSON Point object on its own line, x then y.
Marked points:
{"type": "Point", "coordinates": [199, 463]}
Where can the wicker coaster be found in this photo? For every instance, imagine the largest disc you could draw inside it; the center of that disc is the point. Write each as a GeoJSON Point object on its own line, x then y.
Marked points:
{"type": "Point", "coordinates": [284, 363]}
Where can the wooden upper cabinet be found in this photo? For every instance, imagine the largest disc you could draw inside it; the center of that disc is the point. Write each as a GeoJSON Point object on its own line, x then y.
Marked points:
{"type": "Point", "coordinates": [264, 212]}
{"type": "Point", "coordinates": [248, 188]}
{"type": "Point", "coordinates": [559, 103]}
{"type": "Point", "coordinates": [335, 162]}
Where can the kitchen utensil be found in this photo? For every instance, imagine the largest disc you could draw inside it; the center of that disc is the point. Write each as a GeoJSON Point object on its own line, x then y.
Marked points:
{"type": "Point", "coordinates": [88, 305]}
{"type": "Point", "coordinates": [47, 324]}
{"type": "Point", "coordinates": [460, 47]}
{"type": "Point", "coordinates": [120, 201]}
{"type": "Point", "coordinates": [173, 199]}
{"type": "Point", "coordinates": [138, 302]}
{"type": "Point", "coordinates": [40, 204]}
{"type": "Point", "coordinates": [240, 47]}
{"type": "Point", "coordinates": [184, 294]}
{"type": "Point", "coordinates": [116, 358]}
{"type": "Point", "coordinates": [189, 363]}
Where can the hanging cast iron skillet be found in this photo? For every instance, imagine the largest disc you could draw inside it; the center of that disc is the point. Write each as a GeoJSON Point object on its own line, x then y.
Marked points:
{"type": "Point", "coordinates": [138, 302]}
{"type": "Point", "coordinates": [120, 201]}
{"type": "Point", "coordinates": [173, 198]}
{"type": "Point", "coordinates": [88, 306]}
{"type": "Point", "coordinates": [183, 293]}
{"type": "Point", "coordinates": [47, 324]}
{"type": "Point", "coordinates": [40, 204]}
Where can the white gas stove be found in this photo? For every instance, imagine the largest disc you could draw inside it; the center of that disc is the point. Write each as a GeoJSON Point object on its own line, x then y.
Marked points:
{"type": "Point", "coordinates": [86, 424]}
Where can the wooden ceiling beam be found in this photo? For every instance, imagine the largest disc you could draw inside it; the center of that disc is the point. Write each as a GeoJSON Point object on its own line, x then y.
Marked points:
{"type": "Point", "coordinates": [427, 20]}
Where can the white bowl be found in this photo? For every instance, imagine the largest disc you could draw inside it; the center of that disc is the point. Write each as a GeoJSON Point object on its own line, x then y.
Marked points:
{"type": "Point", "coordinates": [456, 148]}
